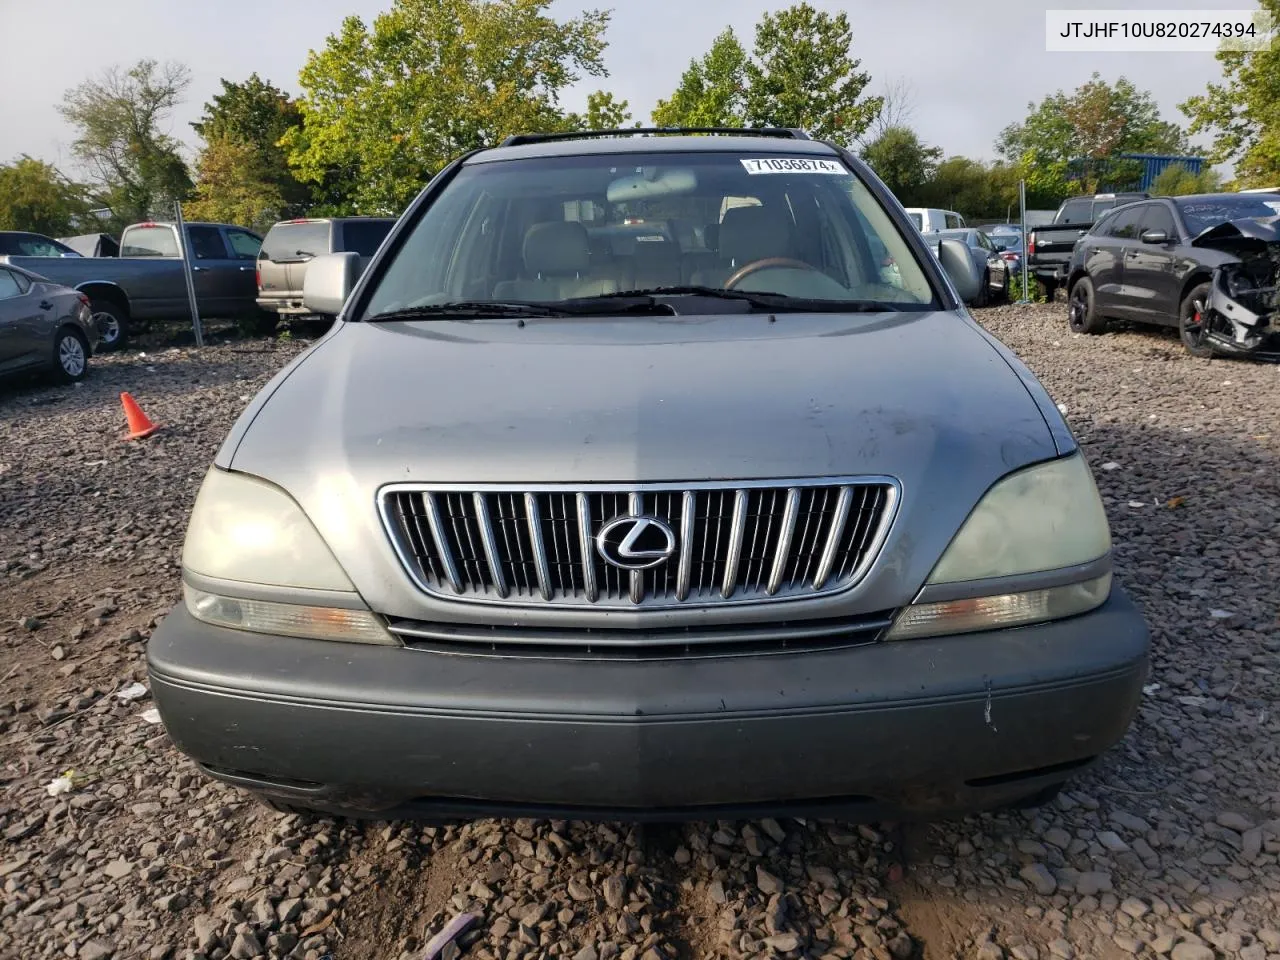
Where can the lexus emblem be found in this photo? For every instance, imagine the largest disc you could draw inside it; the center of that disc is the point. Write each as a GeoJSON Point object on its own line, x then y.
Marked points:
{"type": "Point", "coordinates": [635, 543]}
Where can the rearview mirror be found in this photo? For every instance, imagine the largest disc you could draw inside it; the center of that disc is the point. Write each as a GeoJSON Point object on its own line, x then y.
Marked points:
{"type": "Point", "coordinates": [328, 282]}
{"type": "Point", "coordinates": [1155, 236]}
{"type": "Point", "coordinates": [957, 262]}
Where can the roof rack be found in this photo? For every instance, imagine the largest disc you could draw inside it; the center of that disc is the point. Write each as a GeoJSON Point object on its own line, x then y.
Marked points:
{"type": "Point", "coordinates": [784, 133]}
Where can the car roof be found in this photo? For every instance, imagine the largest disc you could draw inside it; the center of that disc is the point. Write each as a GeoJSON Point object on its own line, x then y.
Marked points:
{"type": "Point", "coordinates": [1201, 197]}
{"type": "Point", "coordinates": [613, 145]}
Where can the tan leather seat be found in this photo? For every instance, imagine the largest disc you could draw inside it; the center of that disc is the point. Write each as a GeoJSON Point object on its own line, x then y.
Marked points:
{"type": "Point", "coordinates": [557, 261]}
{"type": "Point", "coordinates": [748, 234]}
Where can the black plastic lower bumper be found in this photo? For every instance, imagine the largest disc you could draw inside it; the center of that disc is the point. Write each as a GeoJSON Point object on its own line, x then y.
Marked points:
{"type": "Point", "coordinates": [923, 727]}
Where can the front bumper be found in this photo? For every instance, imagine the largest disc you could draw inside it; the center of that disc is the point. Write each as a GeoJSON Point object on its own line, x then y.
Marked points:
{"type": "Point", "coordinates": [285, 306]}
{"type": "Point", "coordinates": [917, 728]}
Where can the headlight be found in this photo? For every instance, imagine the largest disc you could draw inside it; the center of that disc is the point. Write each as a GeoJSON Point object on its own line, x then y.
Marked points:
{"type": "Point", "coordinates": [285, 619]}
{"type": "Point", "coordinates": [247, 531]}
{"type": "Point", "coordinates": [1047, 517]}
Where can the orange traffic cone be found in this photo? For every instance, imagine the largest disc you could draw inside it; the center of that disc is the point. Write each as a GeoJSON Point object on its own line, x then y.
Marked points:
{"type": "Point", "coordinates": [139, 424]}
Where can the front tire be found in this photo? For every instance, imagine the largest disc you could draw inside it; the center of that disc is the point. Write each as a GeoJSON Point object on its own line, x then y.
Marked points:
{"type": "Point", "coordinates": [1082, 309]}
{"type": "Point", "coordinates": [1193, 322]}
{"type": "Point", "coordinates": [70, 355]}
{"type": "Point", "coordinates": [112, 325]}
{"type": "Point", "coordinates": [984, 290]}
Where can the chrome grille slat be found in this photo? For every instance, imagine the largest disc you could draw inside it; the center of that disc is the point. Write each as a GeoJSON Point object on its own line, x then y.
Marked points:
{"type": "Point", "coordinates": [585, 545]}
{"type": "Point", "coordinates": [489, 543]}
{"type": "Point", "coordinates": [539, 549]}
{"type": "Point", "coordinates": [745, 542]}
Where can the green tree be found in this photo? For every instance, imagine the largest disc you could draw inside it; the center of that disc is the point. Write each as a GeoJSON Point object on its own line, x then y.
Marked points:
{"type": "Point", "coordinates": [902, 161]}
{"type": "Point", "coordinates": [35, 196]}
{"type": "Point", "coordinates": [603, 113]}
{"type": "Point", "coordinates": [712, 90]}
{"type": "Point", "coordinates": [802, 75]}
{"type": "Point", "coordinates": [234, 185]}
{"type": "Point", "coordinates": [1176, 180]}
{"type": "Point", "coordinates": [1243, 112]}
{"type": "Point", "coordinates": [1080, 137]}
{"type": "Point", "coordinates": [254, 115]}
{"type": "Point", "coordinates": [386, 107]}
{"type": "Point", "coordinates": [135, 168]}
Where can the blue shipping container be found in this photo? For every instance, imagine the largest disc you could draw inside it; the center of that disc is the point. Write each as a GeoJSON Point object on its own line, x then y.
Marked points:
{"type": "Point", "coordinates": [1155, 164]}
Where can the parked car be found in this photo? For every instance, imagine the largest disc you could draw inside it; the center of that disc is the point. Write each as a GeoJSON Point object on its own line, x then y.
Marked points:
{"type": "Point", "coordinates": [147, 281]}
{"type": "Point", "coordinates": [93, 244]}
{"type": "Point", "coordinates": [291, 245]}
{"type": "Point", "coordinates": [991, 267]}
{"type": "Point", "coordinates": [21, 243]}
{"type": "Point", "coordinates": [44, 326]}
{"type": "Point", "coordinates": [929, 220]}
{"type": "Point", "coordinates": [1205, 264]}
{"type": "Point", "coordinates": [525, 533]}
{"type": "Point", "coordinates": [1010, 247]}
{"type": "Point", "coordinates": [1049, 247]}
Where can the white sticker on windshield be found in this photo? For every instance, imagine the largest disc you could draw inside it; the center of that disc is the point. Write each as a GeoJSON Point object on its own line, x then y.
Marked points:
{"type": "Point", "coordinates": [793, 165]}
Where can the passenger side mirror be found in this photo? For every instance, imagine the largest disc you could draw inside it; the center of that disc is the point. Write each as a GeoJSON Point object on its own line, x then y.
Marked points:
{"type": "Point", "coordinates": [958, 263]}
{"type": "Point", "coordinates": [1155, 236]}
{"type": "Point", "coordinates": [328, 282]}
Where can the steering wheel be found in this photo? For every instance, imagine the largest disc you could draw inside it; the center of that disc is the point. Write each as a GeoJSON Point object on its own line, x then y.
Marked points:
{"type": "Point", "coordinates": [767, 263]}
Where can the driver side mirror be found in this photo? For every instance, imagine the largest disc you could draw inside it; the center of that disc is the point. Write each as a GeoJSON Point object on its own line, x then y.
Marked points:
{"type": "Point", "coordinates": [956, 261]}
{"type": "Point", "coordinates": [1155, 236]}
{"type": "Point", "coordinates": [328, 282]}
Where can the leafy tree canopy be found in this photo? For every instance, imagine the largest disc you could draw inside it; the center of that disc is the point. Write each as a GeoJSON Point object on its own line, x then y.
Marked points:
{"type": "Point", "coordinates": [136, 169]}
{"type": "Point", "coordinates": [1176, 180]}
{"type": "Point", "coordinates": [243, 127]}
{"type": "Point", "coordinates": [35, 196]}
{"type": "Point", "coordinates": [1242, 113]}
{"type": "Point", "coordinates": [1080, 136]}
{"type": "Point", "coordinates": [902, 161]}
{"type": "Point", "coordinates": [386, 107]}
{"type": "Point", "coordinates": [800, 74]}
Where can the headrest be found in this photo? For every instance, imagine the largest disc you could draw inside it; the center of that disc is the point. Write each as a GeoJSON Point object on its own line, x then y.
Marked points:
{"type": "Point", "coordinates": [558, 248]}
{"type": "Point", "coordinates": [754, 233]}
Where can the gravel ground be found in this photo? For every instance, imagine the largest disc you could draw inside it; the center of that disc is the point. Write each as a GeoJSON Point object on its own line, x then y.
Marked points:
{"type": "Point", "coordinates": [1169, 848]}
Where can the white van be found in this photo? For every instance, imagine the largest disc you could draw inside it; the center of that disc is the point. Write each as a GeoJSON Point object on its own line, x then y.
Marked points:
{"type": "Point", "coordinates": [928, 220]}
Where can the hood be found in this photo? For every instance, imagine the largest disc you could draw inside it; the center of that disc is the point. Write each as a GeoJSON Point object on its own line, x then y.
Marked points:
{"type": "Point", "coordinates": [1241, 236]}
{"type": "Point", "coordinates": [922, 398]}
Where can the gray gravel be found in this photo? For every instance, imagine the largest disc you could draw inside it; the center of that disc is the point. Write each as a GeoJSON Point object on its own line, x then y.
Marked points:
{"type": "Point", "coordinates": [1170, 848]}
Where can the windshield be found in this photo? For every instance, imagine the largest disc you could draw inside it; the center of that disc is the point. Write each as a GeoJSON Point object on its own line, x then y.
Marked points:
{"type": "Point", "coordinates": [561, 228]}
{"type": "Point", "coordinates": [1201, 214]}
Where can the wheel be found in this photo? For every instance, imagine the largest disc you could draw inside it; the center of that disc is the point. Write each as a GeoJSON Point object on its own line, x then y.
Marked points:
{"type": "Point", "coordinates": [112, 326]}
{"type": "Point", "coordinates": [984, 290]}
{"type": "Point", "coordinates": [1082, 310]}
{"type": "Point", "coordinates": [70, 355]}
{"type": "Point", "coordinates": [1006, 292]}
{"type": "Point", "coordinates": [1047, 289]}
{"type": "Point", "coordinates": [1192, 322]}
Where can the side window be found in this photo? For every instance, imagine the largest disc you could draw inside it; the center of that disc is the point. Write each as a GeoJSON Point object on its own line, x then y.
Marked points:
{"type": "Point", "coordinates": [1102, 206]}
{"type": "Point", "coordinates": [158, 241]}
{"type": "Point", "coordinates": [1076, 211]}
{"type": "Point", "coordinates": [1124, 225]}
{"type": "Point", "coordinates": [952, 221]}
{"type": "Point", "coordinates": [23, 281]}
{"type": "Point", "coordinates": [1158, 217]}
{"type": "Point", "coordinates": [8, 286]}
{"type": "Point", "coordinates": [244, 245]}
{"type": "Point", "coordinates": [206, 243]}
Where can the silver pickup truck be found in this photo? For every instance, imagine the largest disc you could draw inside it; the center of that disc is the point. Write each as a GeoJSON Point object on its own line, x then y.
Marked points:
{"type": "Point", "coordinates": [146, 281]}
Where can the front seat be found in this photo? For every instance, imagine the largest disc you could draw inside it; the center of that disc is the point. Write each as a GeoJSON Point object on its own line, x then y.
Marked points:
{"type": "Point", "coordinates": [557, 261]}
{"type": "Point", "coordinates": [748, 234]}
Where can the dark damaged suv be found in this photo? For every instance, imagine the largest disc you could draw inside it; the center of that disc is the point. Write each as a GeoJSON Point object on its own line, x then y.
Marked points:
{"type": "Point", "coordinates": [650, 476]}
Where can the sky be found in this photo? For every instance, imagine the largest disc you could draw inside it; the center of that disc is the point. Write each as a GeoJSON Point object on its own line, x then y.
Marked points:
{"type": "Point", "coordinates": [972, 65]}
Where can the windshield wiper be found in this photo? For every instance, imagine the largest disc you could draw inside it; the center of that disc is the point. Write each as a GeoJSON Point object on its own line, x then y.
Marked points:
{"type": "Point", "coordinates": [606, 305]}
{"type": "Point", "coordinates": [765, 300]}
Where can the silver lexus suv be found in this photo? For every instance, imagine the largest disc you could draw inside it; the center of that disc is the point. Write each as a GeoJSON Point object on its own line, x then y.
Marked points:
{"type": "Point", "coordinates": [631, 484]}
